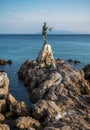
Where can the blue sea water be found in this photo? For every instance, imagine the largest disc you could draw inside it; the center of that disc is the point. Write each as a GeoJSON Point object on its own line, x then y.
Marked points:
{"type": "Point", "coordinates": [19, 48]}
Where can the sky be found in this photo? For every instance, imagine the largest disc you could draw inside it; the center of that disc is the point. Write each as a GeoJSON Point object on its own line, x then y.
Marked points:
{"type": "Point", "coordinates": [28, 16]}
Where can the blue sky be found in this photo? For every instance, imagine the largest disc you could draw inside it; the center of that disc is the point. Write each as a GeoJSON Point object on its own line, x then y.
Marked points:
{"type": "Point", "coordinates": [27, 16]}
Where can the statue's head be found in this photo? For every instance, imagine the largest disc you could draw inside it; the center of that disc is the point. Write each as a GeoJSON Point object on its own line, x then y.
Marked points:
{"type": "Point", "coordinates": [44, 23]}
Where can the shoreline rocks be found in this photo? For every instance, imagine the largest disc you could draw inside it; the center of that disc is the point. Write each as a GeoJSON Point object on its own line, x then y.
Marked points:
{"type": "Point", "coordinates": [11, 109]}
{"type": "Point", "coordinates": [4, 127]}
{"type": "Point", "coordinates": [86, 70]}
{"type": "Point", "coordinates": [73, 61]}
{"type": "Point", "coordinates": [4, 62]}
{"type": "Point", "coordinates": [60, 97]}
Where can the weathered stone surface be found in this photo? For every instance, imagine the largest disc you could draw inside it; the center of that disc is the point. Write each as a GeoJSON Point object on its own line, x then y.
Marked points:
{"type": "Point", "coordinates": [46, 55]}
{"type": "Point", "coordinates": [11, 99]}
{"type": "Point", "coordinates": [9, 62]}
{"type": "Point", "coordinates": [30, 128]}
{"type": "Point", "coordinates": [9, 106]}
{"type": "Point", "coordinates": [3, 105]}
{"type": "Point", "coordinates": [60, 94]}
{"type": "Point", "coordinates": [51, 128]}
{"type": "Point", "coordinates": [74, 61]}
{"type": "Point", "coordinates": [4, 84]}
{"type": "Point", "coordinates": [4, 127]}
{"type": "Point", "coordinates": [66, 128]}
{"type": "Point", "coordinates": [87, 72]}
{"type": "Point", "coordinates": [2, 118]}
{"type": "Point", "coordinates": [3, 62]}
{"type": "Point", "coordinates": [54, 79]}
{"type": "Point", "coordinates": [26, 122]}
{"type": "Point", "coordinates": [61, 97]}
{"type": "Point", "coordinates": [19, 108]}
{"type": "Point", "coordinates": [46, 110]}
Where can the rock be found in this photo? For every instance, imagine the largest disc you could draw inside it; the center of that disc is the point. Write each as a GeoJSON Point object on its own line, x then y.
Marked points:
{"type": "Point", "coordinates": [3, 105]}
{"type": "Point", "coordinates": [54, 79]}
{"type": "Point", "coordinates": [9, 62]}
{"type": "Point", "coordinates": [31, 128]}
{"type": "Point", "coordinates": [19, 108]}
{"type": "Point", "coordinates": [3, 62]}
{"type": "Point", "coordinates": [11, 99]}
{"type": "Point", "coordinates": [46, 55]}
{"type": "Point", "coordinates": [26, 122]}
{"type": "Point", "coordinates": [4, 85]}
{"type": "Point", "coordinates": [76, 61]}
{"type": "Point", "coordinates": [66, 128]}
{"type": "Point", "coordinates": [70, 60]}
{"type": "Point", "coordinates": [51, 128]}
{"type": "Point", "coordinates": [45, 110]}
{"type": "Point", "coordinates": [87, 72]}
{"type": "Point", "coordinates": [4, 127]}
{"type": "Point", "coordinates": [2, 118]}
{"type": "Point", "coordinates": [61, 96]}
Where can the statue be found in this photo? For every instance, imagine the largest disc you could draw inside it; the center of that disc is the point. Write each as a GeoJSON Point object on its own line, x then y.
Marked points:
{"type": "Point", "coordinates": [44, 32]}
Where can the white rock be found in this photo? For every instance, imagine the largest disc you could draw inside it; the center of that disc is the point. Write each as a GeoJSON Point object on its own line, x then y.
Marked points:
{"type": "Point", "coordinates": [59, 116]}
{"type": "Point", "coordinates": [46, 55]}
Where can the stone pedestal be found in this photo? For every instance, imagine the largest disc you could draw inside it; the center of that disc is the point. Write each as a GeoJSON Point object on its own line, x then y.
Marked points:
{"type": "Point", "coordinates": [46, 56]}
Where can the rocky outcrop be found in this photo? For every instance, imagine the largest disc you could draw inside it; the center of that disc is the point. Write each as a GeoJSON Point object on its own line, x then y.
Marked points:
{"type": "Point", "coordinates": [86, 70]}
{"type": "Point", "coordinates": [51, 128]}
{"type": "Point", "coordinates": [45, 57]}
{"type": "Point", "coordinates": [19, 108]}
{"type": "Point", "coordinates": [73, 61]}
{"type": "Point", "coordinates": [4, 85]}
{"type": "Point", "coordinates": [4, 127]}
{"type": "Point", "coordinates": [60, 96]}
{"type": "Point", "coordinates": [10, 108]}
{"type": "Point", "coordinates": [2, 118]}
{"type": "Point", "coordinates": [3, 105]}
{"type": "Point", "coordinates": [4, 62]}
{"type": "Point", "coordinates": [27, 123]}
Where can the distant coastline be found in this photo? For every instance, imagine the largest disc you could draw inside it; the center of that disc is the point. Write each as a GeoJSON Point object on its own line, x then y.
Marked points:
{"type": "Point", "coordinates": [48, 34]}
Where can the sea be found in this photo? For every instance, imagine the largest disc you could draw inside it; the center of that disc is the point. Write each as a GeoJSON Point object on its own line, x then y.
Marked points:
{"type": "Point", "coordinates": [20, 47]}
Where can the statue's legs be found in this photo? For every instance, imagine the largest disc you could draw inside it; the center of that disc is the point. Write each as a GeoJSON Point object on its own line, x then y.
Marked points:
{"type": "Point", "coordinates": [45, 39]}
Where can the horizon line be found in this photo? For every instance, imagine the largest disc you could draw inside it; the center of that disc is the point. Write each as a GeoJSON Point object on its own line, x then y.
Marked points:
{"type": "Point", "coordinates": [47, 34]}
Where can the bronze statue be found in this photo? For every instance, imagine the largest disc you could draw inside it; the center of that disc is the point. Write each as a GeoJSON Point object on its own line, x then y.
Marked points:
{"type": "Point", "coordinates": [44, 32]}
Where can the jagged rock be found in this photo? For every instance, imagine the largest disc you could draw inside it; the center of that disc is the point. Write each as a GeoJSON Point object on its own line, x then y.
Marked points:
{"type": "Point", "coordinates": [31, 128]}
{"type": "Point", "coordinates": [76, 61]}
{"type": "Point", "coordinates": [2, 118]}
{"type": "Point", "coordinates": [19, 108]}
{"type": "Point", "coordinates": [26, 122]}
{"type": "Point", "coordinates": [24, 69]}
{"type": "Point", "coordinates": [54, 79]}
{"type": "Point", "coordinates": [58, 94]}
{"type": "Point", "coordinates": [66, 128]}
{"type": "Point", "coordinates": [87, 72]}
{"type": "Point", "coordinates": [51, 128]}
{"type": "Point", "coordinates": [4, 127]}
{"type": "Point", "coordinates": [3, 105]}
{"type": "Point", "coordinates": [46, 55]}
{"type": "Point", "coordinates": [11, 99]}
{"type": "Point", "coordinates": [4, 85]}
{"type": "Point", "coordinates": [61, 96]}
{"type": "Point", "coordinates": [46, 110]}
{"type": "Point", "coordinates": [70, 60]}
{"type": "Point", "coordinates": [3, 62]}
{"type": "Point", "coordinates": [9, 62]}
